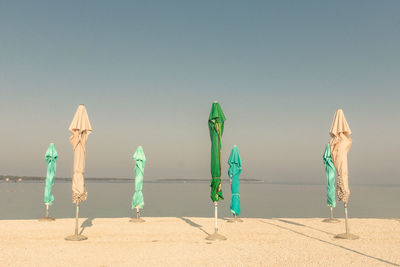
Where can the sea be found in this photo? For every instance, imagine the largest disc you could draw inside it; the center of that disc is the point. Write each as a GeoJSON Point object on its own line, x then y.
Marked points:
{"type": "Point", "coordinates": [191, 198]}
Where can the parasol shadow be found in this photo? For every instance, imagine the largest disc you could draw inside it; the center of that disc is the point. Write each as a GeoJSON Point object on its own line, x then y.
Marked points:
{"type": "Point", "coordinates": [193, 224]}
{"type": "Point", "coordinates": [86, 223]}
{"type": "Point", "coordinates": [303, 225]}
{"type": "Point", "coordinates": [332, 244]}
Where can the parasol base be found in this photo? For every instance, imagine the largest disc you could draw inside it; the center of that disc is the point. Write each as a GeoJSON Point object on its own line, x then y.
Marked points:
{"type": "Point", "coordinates": [235, 220]}
{"type": "Point", "coordinates": [215, 236]}
{"type": "Point", "coordinates": [76, 238]}
{"type": "Point", "coordinates": [46, 219]}
{"type": "Point", "coordinates": [331, 220]}
{"type": "Point", "coordinates": [347, 236]}
{"type": "Point", "coordinates": [137, 220]}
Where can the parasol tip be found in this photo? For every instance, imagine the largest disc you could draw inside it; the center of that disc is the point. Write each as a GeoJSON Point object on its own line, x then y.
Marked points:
{"type": "Point", "coordinates": [215, 101]}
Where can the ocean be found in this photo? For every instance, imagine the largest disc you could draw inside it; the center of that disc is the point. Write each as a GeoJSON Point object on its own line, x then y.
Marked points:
{"type": "Point", "coordinates": [24, 200]}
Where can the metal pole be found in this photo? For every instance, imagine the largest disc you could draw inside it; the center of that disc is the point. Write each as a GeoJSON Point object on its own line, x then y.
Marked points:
{"type": "Point", "coordinates": [331, 213]}
{"type": "Point", "coordinates": [216, 216]}
{"type": "Point", "coordinates": [76, 219]}
{"type": "Point", "coordinates": [345, 213]}
{"type": "Point", "coordinates": [47, 210]}
{"type": "Point", "coordinates": [219, 159]}
{"type": "Point", "coordinates": [137, 213]}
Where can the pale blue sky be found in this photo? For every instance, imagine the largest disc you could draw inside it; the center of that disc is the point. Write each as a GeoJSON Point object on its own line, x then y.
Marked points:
{"type": "Point", "coordinates": [148, 72]}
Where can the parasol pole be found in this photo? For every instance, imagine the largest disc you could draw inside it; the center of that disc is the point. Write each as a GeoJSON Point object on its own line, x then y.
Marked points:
{"type": "Point", "coordinates": [46, 218]}
{"type": "Point", "coordinates": [76, 236]}
{"type": "Point", "coordinates": [219, 158]}
{"type": "Point", "coordinates": [216, 235]}
{"type": "Point", "coordinates": [216, 216]}
{"type": "Point", "coordinates": [331, 219]}
{"type": "Point", "coordinates": [47, 210]}
{"type": "Point", "coordinates": [346, 218]}
{"type": "Point", "coordinates": [137, 219]}
{"type": "Point", "coordinates": [346, 235]}
{"type": "Point", "coordinates": [76, 218]}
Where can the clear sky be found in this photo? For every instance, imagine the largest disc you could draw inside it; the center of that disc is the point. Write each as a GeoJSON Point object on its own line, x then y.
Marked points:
{"type": "Point", "coordinates": [148, 72]}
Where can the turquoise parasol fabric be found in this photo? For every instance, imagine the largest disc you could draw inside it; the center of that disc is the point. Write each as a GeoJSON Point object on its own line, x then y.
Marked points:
{"type": "Point", "coordinates": [140, 162]}
{"type": "Point", "coordinates": [235, 169]}
{"type": "Point", "coordinates": [51, 162]}
{"type": "Point", "coordinates": [330, 177]}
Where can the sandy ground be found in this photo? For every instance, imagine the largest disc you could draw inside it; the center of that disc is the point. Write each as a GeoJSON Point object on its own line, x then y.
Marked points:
{"type": "Point", "coordinates": [181, 242]}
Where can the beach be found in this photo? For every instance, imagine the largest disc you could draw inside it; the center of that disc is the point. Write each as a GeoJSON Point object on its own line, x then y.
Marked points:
{"type": "Point", "coordinates": [162, 241]}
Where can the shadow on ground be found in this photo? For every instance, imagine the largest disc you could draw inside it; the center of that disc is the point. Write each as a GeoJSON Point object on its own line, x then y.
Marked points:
{"type": "Point", "coordinates": [193, 224]}
{"type": "Point", "coordinates": [310, 227]}
{"type": "Point", "coordinates": [326, 242]}
{"type": "Point", "coordinates": [86, 223]}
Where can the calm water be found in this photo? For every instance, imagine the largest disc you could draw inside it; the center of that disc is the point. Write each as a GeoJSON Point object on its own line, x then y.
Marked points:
{"type": "Point", "coordinates": [25, 200]}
